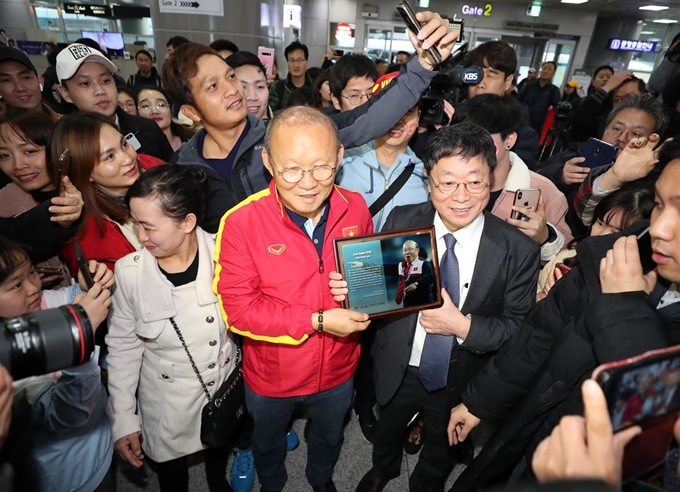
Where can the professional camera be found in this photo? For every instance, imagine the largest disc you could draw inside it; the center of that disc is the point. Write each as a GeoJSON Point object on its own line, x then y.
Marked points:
{"type": "Point", "coordinates": [558, 135]}
{"type": "Point", "coordinates": [450, 84]}
{"type": "Point", "coordinates": [46, 341]}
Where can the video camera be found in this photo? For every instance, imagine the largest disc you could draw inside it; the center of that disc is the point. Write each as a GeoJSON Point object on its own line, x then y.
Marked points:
{"type": "Point", "coordinates": [46, 341]}
{"type": "Point", "coordinates": [451, 83]}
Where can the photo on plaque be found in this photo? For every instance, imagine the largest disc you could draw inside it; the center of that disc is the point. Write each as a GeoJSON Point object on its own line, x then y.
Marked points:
{"type": "Point", "coordinates": [390, 273]}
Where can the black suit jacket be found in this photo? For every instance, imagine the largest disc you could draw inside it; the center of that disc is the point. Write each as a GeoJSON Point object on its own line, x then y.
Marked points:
{"type": "Point", "coordinates": [153, 140]}
{"type": "Point", "coordinates": [502, 291]}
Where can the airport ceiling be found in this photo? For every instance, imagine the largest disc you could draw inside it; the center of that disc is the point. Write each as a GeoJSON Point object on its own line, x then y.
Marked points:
{"type": "Point", "coordinates": [619, 8]}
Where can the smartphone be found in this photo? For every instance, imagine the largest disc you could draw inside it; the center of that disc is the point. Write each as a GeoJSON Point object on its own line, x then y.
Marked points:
{"type": "Point", "coordinates": [413, 25]}
{"type": "Point", "coordinates": [527, 198]}
{"type": "Point", "coordinates": [598, 153]}
{"type": "Point", "coordinates": [48, 271]}
{"type": "Point", "coordinates": [644, 391]}
{"type": "Point", "coordinates": [266, 56]}
{"type": "Point", "coordinates": [82, 265]}
{"type": "Point", "coordinates": [563, 268]}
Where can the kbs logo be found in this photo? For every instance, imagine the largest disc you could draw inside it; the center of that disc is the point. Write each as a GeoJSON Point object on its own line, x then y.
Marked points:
{"type": "Point", "coordinates": [471, 76]}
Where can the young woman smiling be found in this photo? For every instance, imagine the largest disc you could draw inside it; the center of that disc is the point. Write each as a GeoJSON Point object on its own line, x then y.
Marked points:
{"type": "Point", "coordinates": [101, 163]}
{"type": "Point", "coordinates": [153, 104]}
{"type": "Point", "coordinates": [23, 136]}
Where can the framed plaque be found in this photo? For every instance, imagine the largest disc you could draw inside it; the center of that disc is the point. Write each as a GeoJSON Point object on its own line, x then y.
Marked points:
{"type": "Point", "coordinates": [390, 273]}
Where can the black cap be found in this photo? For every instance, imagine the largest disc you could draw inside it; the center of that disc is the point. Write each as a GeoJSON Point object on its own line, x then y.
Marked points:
{"type": "Point", "coordinates": [12, 54]}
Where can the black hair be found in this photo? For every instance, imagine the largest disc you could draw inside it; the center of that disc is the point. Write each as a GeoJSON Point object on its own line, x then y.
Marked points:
{"type": "Point", "coordinates": [296, 45]}
{"type": "Point", "coordinates": [642, 87]}
{"type": "Point", "coordinates": [302, 96]}
{"type": "Point", "coordinates": [494, 113]}
{"type": "Point", "coordinates": [52, 55]}
{"type": "Point", "coordinates": [126, 89]}
{"type": "Point", "coordinates": [393, 67]}
{"type": "Point", "coordinates": [667, 153]}
{"type": "Point", "coordinates": [323, 77]}
{"type": "Point", "coordinates": [12, 256]}
{"type": "Point", "coordinates": [551, 63]}
{"type": "Point", "coordinates": [178, 190]}
{"type": "Point", "coordinates": [645, 103]}
{"type": "Point", "coordinates": [243, 58]}
{"type": "Point", "coordinates": [143, 52]}
{"type": "Point", "coordinates": [90, 43]}
{"type": "Point", "coordinates": [634, 199]}
{"type": "Point", "coordinates": [349, 66]}
{"type": "Point", "coordinates": [224, 44]}
{"type": "Point", "coordinates": [176, 41]}
{"type": "Point", "coordinates": [498, 55]}
{"type": "Point", "coordinates": [465, 140]}
{"type": "Point", "coordinates": [402, 52]}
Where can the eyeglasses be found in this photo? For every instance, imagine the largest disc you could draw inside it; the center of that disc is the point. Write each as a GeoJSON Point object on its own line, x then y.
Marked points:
{"type": "Point", "coordinates": [296, 60]}
{"type": "Point", "coordinates": [616, 131]}
{"type": "Point", "coordinates": [294, 175]}
{"type": "Point", "coordinates": [449, 187]}
{"type": "Point", "coordinates": [356, 98]}
{"type": "Point", "coordinates": [161, 106]}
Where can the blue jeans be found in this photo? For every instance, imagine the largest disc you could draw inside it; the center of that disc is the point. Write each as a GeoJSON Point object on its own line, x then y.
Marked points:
{"type": "Point", "coordinates": [272, 421]}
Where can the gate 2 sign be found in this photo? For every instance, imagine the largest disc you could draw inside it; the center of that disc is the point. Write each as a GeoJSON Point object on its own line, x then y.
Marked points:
{"type": "Point", "coordinates": [486, 11]}
{"type": "Point", "coordinates": [192, 7]}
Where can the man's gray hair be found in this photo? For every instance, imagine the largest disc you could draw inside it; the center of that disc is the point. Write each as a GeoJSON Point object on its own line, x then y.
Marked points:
{"type": "Point", "coordinates": [646, 103]}
{"type": "Point", "coordinates": [300, 116]}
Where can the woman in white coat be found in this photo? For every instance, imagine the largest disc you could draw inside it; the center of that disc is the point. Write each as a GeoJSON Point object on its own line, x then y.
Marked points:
{"type": "Point", "coordinates": [153, 387]}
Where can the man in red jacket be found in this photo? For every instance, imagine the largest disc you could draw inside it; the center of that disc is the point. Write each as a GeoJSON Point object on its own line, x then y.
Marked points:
{"type": "Point", "coordinates": [274, 252]}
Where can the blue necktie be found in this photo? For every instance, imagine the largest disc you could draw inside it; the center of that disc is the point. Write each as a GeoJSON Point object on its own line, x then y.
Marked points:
{"type": "Point", "coordinates": [434, 361]}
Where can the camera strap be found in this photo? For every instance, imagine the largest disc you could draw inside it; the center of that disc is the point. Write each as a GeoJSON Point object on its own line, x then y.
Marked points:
{"type": "Point", "coordinates": [390, 192]}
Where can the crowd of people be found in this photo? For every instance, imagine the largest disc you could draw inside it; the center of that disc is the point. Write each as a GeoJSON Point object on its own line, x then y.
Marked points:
{"type": "Point", "coordinates": [207, 196]}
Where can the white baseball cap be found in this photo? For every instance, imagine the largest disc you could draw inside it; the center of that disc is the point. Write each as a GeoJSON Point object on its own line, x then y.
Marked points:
{"type": "Point", "coordinates": [74, 55]}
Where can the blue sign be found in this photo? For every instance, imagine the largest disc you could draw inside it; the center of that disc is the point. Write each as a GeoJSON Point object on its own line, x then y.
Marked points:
{"type": "Point", "coordinates": [616, 44]}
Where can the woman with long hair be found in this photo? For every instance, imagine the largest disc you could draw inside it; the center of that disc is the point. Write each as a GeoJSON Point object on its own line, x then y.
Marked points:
{"type": "Point", "coordinates": [102, 164]}
{"type": "Point", "coordinates": [157, 349]}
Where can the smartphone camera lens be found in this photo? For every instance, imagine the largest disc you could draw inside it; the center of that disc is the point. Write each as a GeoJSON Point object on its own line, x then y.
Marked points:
{"type": "Point", "coordinates": [519, 195]}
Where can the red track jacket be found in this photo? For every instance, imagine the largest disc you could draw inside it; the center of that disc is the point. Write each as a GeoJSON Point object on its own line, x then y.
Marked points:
{"type": "Point", "coordinates": [269, 281]}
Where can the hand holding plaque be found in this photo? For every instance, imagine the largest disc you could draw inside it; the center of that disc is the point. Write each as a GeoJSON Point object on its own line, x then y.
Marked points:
{"type": "Point", "coordinates": [387, 273]}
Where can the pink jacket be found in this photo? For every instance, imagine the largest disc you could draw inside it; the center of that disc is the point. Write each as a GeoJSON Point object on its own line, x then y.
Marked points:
{"type": "Point", "coordinates": [556, 206]}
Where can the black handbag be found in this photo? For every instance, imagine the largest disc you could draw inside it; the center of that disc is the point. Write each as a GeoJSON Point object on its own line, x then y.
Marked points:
{"type": "Point", "coordinates": [224, 413]}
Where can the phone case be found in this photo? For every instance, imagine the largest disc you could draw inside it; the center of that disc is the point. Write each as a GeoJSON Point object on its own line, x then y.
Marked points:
{"type": "Point", "coordinates": [409, 17]}
{"type": "Point", "coordinates": [266, 56]}
{"type": "Point", "coordinates": [82, 265]}
{"type": "Point", "coordinates": [598, 153]}
{"type": "Point", "coordinates": [649, 448]}
{"type": "Point", "coordinates": [525, 198]}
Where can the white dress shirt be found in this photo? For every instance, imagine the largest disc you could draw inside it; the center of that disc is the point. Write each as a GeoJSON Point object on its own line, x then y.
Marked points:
{"type": "Point", "coordinates": [466, 248]}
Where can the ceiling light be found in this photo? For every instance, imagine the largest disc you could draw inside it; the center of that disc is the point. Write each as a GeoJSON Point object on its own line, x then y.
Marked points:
{"type": "Point", "coordinates": [574, 1]}
{"type": "Point", "coordinates": [654, 8]}
{"type": "Point", "coordinates": [665, 21]}
{"type": "Point", "coordinates": [647, 32]}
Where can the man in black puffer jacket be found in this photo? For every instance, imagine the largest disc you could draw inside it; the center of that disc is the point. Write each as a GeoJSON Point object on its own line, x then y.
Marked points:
{"type": "Point", "coordinates": [589, 318]}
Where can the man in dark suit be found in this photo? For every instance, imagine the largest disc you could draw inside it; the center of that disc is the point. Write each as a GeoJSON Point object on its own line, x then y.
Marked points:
{"type": "Point", "coordinates": [424, 360]}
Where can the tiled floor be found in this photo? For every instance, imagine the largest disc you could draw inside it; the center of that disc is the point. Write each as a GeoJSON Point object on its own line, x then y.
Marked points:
{"type": "Point", "coordinates": [355, 461]}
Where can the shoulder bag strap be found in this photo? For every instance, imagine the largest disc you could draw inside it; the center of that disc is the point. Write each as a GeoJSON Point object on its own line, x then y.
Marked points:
{"type": "Point", "coordinates": [191, 359]}
{"type": "Point", "coordinates": [390, 192]}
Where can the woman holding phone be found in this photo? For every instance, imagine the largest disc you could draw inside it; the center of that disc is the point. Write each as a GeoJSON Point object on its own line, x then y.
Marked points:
{"type": "Point", "coordinates": [155, 393]}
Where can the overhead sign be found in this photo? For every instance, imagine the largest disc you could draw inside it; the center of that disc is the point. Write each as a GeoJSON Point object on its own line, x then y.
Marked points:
{"type": "Point", "coordinates": [616, 44]}
{"type": "Point", "coordinates": [292, 16]}
{"type": "Point", "coordinates": [91, 10]}
{"type": "Point", "coordinates": [192, 7]}
{"type": "Point", "coordinates": [469, 10]}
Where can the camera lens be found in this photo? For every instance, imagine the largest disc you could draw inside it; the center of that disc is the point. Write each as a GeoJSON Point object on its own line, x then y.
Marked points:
{"type": "Point", "coordinates": [46, 341]}
{"type": "Point", "coordinates": [519, 195]}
